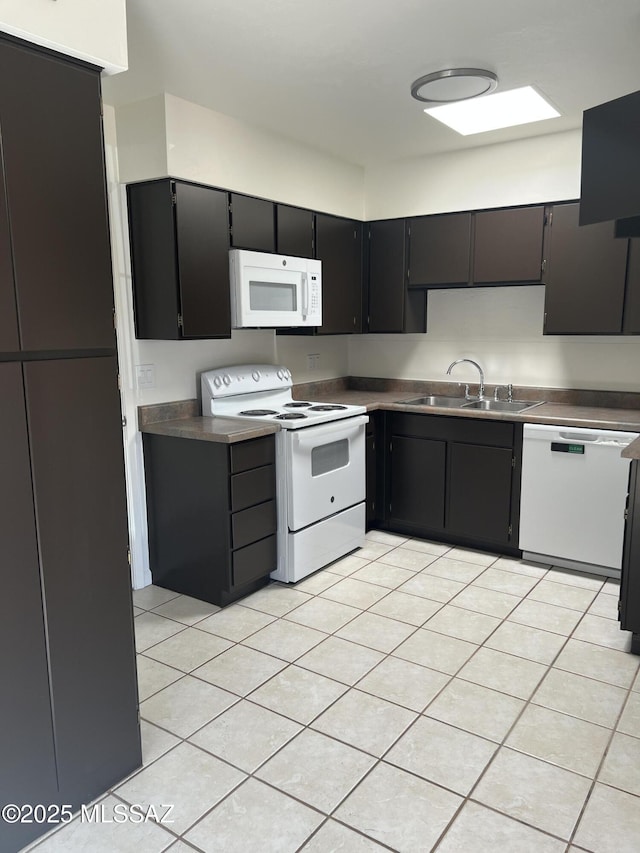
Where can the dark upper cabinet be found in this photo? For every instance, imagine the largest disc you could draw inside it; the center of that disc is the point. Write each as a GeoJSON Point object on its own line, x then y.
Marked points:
{"type": "Point", "coordinates": [339, 247]}
{"type": "Point", "coordinates": [180, 260]}
{"type": "Point", "coordinates": [387, 271]}
{"type": "Point", "coordinates": [439, 250]}
{"type": "Point", "coordinates": [75, 434]}
{"type": "Point", "coordinates": [52, 148]}
{"type": "Point", "coordinates": [585, 277]}
{"type": "Point", "coordinates": [392, 307]}
{"type": "Point", "coordinates": [26, 735]}
{"type": "Point", "coordinates": [294, 231]}
{"type": "Point", "coordinates": [252, 223]}
{"type": "Point", "coordinates": [631, 316]}
{"type": "Point", "coordinates": [9, 341]}
{"type": "Point", "coordinates": [610, 173]}
{"type": "Point", "coordinates": [508, 245]}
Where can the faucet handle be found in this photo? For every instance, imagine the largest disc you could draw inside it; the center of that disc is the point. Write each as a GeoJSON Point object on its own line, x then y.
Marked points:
{"type": "Point", "coordinates": [510, 392]}
{"type": "Point", "coordinates": [496, 393]}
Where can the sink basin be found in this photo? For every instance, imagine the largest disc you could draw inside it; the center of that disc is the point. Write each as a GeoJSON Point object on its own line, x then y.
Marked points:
{"type": "Point", "coordinates": [436, 400]}
{"type": "Point", "coordinates": [503, 405]}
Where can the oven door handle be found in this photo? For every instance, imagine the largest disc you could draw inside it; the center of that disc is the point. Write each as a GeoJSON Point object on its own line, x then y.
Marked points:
{"type": "Point", "coordinates": [335, 430]}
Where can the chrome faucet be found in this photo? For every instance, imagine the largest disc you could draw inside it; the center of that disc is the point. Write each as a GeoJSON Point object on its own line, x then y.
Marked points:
{"type": "Point", "coordinates": [475, 364]}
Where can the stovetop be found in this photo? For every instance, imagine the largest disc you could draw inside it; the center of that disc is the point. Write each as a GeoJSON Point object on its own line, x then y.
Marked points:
{"type": "Point", "coordinates": [263, 393]}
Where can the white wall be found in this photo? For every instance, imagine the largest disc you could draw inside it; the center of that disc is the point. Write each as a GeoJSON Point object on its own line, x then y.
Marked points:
{"type": "Point", "coordinates": [526, 171]}
{"type": "Point", "coordinates": [93, 30]}
{"type": "Point", "coordinates": [168, 136]}
{"type": "Point", "coordinates": [499, 327]}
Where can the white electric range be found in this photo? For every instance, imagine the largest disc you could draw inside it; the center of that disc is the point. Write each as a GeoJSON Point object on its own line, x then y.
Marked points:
{"type": "Point", "coordinates": [320, 463]}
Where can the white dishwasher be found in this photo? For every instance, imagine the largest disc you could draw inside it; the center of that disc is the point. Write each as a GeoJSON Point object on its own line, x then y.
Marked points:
{"type": "Point", "coordinates": [573, 497]}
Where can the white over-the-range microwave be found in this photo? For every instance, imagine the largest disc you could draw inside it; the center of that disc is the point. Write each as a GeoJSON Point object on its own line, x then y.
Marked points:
{"type": "Point", "coordinates": [269, 291]}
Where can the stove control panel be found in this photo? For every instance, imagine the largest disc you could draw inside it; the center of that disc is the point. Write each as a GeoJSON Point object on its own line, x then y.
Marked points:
{"type": "Point", "coordinates": [244, 379]}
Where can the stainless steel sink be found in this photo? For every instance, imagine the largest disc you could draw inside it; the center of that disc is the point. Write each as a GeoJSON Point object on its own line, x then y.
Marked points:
{"type": "Point", "coordinates": [502, 405]}
{"type": "Point", "coordinates": [438, 400]}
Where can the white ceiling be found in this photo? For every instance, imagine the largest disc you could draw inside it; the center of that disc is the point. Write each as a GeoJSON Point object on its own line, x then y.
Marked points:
{"type": "Point", "coordinates": [336, 74]}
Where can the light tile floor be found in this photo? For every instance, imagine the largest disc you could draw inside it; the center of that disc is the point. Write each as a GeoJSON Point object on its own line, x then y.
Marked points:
{"type": "Point", "coordinates": [410, 697]}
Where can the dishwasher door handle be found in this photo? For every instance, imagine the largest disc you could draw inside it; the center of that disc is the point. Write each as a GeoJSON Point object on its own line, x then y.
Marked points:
{"type": "Point", "coordinates": [576, 436]}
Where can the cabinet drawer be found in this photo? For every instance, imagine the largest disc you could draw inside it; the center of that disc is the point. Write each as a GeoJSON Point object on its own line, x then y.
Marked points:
{"type": "Point", "coordinates": [253, 487]}
{"type": "Point", "coordinates": [253, 562]}
{"type": "Point", "coordinates": [254, 523]}
{"type": "Point", "coordinates": [252, 454]}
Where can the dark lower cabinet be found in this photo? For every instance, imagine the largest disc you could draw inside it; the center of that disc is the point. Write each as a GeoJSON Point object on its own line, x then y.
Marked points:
{"type": "Point", "coordinates": [26, 735]}
{"type": "Point", "coordinates": [212, 515]}
{"type": "Point", "coordinates": [454, 479]}
{"type": "Point", "coordinates": [479, 491]}
{"type": "Point", "coordinates": [629, 606]}
{"type": "Point", "coordinates": [374, 461]}
{"type": "Point", "coordinates": [69, 717]}
{"type": "Point", "coordinates": [417, 481]}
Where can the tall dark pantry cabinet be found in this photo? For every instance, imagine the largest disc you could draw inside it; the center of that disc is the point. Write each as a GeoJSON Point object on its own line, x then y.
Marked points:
{"type": "Point", "coordinates": [68, 702]}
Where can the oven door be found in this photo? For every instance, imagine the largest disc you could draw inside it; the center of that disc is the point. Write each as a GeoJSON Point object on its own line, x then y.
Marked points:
{"type": "Point", "coordinates": [326, 470]}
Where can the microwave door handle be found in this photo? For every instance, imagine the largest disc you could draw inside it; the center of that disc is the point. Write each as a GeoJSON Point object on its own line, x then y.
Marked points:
{"type": "Point", "coordinates": [305, 295]}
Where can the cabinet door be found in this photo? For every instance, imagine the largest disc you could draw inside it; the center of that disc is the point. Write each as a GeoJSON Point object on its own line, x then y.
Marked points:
{"type": "Point", "coordinates": [203, 261]}
{"type": "Point", "coordinates": [631, 314]}
{"type": "Point", "coordinates": [585, 276]}
{"type": "Point", "coordinates": [252, 223]}
{"type": "Point", "coordinates": [417, 488]}
{"type": "Point", "coordinates": [339, 247]}
{"type": "Point", "coordinates": [630, 581]}
{"type": "Point", "coordinates": [479, 504]}
{"type": "Point", "coordinates": [8, 317]}
{"type": "Point", "coordinates": [75, 432]}
{"type": "Point", "coordinates": [387, 275]}
{"type": "Point", "coordinates": [26, 732]}
{"type": "Point", "coordinates": [508, 245]}
{"type": "Point", "coordinates": [439, 250]}
{"type": "Point", "coordinates": [294, 231]}
{"type": "Point", "coordinates": [54, 168]}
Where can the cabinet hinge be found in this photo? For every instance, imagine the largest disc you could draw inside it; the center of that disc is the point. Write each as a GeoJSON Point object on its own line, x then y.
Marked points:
{"type": "Point", "coordinates": [510, 530]}
{"type": "Point", "coordinates": [129, 557]}
{"type": "Point", "coordinates": [408, 271]}
{"type": "Point", "coordinates": [550, 220]}
{"type": "Point", "coordinates": [180, 325]}
{"type": "Point", "coordinates": [124, 421]}
{"type": "Point", "coordinates": [115, 317]}
{"type": "Point", "coordinates": [174, 199]}
{"type": "Point", "coordinates": [119, 383]}
{"type": "Point", "coordinates": [390, 446]}
{"type": "Point", "coordinates": [101, 106]}
{"type": "Point", "coordinates": [626, 513]}
{"type": "Point", "coordinates": [544, 321]}
{"type": "Point", "coordinates": [544, 265]}
{"type": "Point", "coordinates": [513, 461]}
{"type": "Point", "coordinates": [354, 322]}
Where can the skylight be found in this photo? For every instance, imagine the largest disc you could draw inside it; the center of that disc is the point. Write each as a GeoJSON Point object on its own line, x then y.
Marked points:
{"type": "Point", "coordinates": [492, 112]}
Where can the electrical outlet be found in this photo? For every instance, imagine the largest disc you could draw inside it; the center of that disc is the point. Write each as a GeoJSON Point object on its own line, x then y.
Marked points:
{"type": "Point", "coordinates": [146, 376]}
{"type": "Point", "coordinates": [313, 361]}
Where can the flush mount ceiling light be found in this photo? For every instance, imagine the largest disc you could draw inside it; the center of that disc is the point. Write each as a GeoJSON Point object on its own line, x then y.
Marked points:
{"type": "Point", "coordinates": [492, 112]}
{"type": "Point", "coordinates": [453, 84]}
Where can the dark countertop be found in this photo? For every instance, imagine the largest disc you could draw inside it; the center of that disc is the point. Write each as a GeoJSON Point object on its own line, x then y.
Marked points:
{"type": "Point", "coordinates": [225, 430]}
{"type": "Point", "coordinates": [181, 419]}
